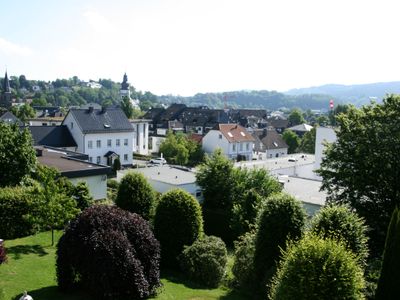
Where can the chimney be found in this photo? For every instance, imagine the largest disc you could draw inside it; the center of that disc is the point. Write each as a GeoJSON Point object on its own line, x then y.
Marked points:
{"type": "Point", "coordinates": [103, 109]}
{"type": "Point", "coordinates": [39, 152]}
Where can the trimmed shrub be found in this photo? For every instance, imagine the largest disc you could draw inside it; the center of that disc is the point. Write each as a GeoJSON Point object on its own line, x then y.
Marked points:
{"type": "Point", "coordinates": [205, 261]}
{"type": "Point", "coordinates": [281, 219]}
{"type": "Point", "coordinates": [135, 194]}
{"type": "Point", "coordinates": [389, 281]}
{"type": "Point", "coordinates": [316, 268]}
{"type": "Point", "coordinates": [339, 222]}
{"type": "Point", "coordinates": [243, 269]}
{"type": "Point", "coordinates": [110, 252]}
{"type": "Point", "coordinates": [16, 205]}
{"type": "Point", "coordinates": [3, 256]}
{"type": "Point", "coordinates": [177, 222]}
{"type": "Point", "coordinates": [82, 195]}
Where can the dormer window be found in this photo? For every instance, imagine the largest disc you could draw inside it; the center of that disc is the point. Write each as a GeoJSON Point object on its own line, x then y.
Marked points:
{"type": "Point", "coordinates": [230, 134]}
{"type": "Point", "coordinates": [107, 126]}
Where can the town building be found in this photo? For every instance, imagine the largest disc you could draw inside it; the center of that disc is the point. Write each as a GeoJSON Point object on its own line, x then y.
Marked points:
{"type": "Point", "coordinates": [268, 143]}
{"type": "Point", "coordinates": [74, 166]}
{"type": "Point", "coordinates": [234, 141]}
{"type": "Point", "coordinates": [165, 178]}
{"type": "Point", "coordinates": [102, 134]}
{"type": "Point", "coordinates": [301, 129]}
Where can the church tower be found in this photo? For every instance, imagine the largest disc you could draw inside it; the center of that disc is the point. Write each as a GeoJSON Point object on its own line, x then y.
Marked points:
{"type": "Point", "coordinates": [5, 98]}
{"type": "Point", "coordinates": [124, 91]}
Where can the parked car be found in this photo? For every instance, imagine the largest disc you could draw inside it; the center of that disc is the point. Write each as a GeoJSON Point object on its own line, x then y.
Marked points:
{"type": "Point", "coordinates": [292, 159]}
{"type": "Point", "coordinates": [158, 161]}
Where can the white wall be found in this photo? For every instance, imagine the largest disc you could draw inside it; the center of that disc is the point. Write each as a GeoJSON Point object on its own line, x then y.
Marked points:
{"type": "Point", "coordinates": [140, 137]}
{"type": "Point", "coordinates": [75, 131]}
{"type": "Point", "coordinates": [121, 150]}
{"type": "Point", "coordinates": [163, 187]}
{"type": "Point", "coordinates": [38, 122]}
{"type": "Point", "coordinates": [212, 141]}
{"type": "Point", "coordinates": [215, 139]}
{"type": "Point", "coordinates": [271, 153]}
{"type": "Point", "coordinates": [323, 135]}
{"type": "Point", "coordinates": [97, 185]}
{"type": "Point", "coordinates": [155, 143]}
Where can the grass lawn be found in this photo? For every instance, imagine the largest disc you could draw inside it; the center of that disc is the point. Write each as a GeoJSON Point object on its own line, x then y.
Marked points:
{"type": "Point", "coordinates": [31, 267]}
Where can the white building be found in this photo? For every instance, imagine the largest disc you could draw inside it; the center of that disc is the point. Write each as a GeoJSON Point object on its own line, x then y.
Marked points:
{"type": "Point", "coordinates": [76, 170]}
{"type": "Point", "coordinates": [233, 140]}
{"type": "Point", "coordinates": [141, 136]}
{"type": "Point", "coordinates": [323, 135]}
{"type": "Point", "coordinates": [269, 144]}
{"type": "Point", "coordinates": [102, 134]}
{"type": "Point", "coordinates": [165, 178]}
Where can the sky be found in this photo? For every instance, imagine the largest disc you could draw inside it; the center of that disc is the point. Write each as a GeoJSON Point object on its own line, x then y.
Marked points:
{"type": "Point", "coordinates": [183, 47]}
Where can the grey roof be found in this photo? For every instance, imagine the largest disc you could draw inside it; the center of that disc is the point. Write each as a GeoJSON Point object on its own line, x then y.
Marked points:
{"type": "Point", "coordinates": [101, 121]}
{"type": "Point", "coordinates": [9, 118]}
{"type": "Point", "coordinates": [168, 174]}
{"type": "Point", "coordinates": [301, 127]}
{"type": "Point", "coordinates": [54, 136]}
{"type": "Point", "coordinates": [270, 139]}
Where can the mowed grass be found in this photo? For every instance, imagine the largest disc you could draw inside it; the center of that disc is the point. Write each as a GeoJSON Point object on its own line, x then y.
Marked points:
{"type": "Point", "coordinates": [31, 267]}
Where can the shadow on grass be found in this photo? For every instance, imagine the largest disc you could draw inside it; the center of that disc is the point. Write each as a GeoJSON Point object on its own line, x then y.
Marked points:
{"type": "Point", "coordinates": [16, 251]}
{"type": "Point", "coordinates": [52, 292]}
{"type": "Point", "coordinates": [179, 278]}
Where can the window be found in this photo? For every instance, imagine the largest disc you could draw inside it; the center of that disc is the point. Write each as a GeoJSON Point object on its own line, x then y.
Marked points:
{"type": "Point", "coordinates": [198, 193]}
{"type": "Point", "coordinates": [98, 143]}
{"type": "Point", "coordinates": [234, 147]}
{"type": "Point", "coordinates": [220, 136]}
{"type": "Point", "coordinates": [248, 146]}
{"type": "Point", "coordinates": [98, 159]}
{"type": "Point", "coordinates": [241, 146]}
{"type": "Point", "coordinates": [117, 142]}
{"type": "Point", "coordinates": [108, 143]}
{"type": "Point", "coordinates": [125, 157]}
{"type": "Point", "coordinates": [72, 125]}
{"type": "Point", "coordinates": [90, 144]}
{"type": "Point", "coordinates": [125, 142]}
{"type": "Point", "coordinates": [90, 159]}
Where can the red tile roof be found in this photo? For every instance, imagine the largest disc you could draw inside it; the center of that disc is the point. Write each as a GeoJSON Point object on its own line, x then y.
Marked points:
{"type": "Point", "coordinates": [235, 133]}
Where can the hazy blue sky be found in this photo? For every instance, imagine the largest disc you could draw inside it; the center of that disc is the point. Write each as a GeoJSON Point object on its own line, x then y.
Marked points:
{"type": "Point", "coordinates": [189, 46]}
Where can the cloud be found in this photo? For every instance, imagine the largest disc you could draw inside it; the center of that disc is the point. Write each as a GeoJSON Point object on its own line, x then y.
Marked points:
{"type": "Point", "coordinates": [10, 48]}
{"type": "Point", "coordinates": [98, 22]}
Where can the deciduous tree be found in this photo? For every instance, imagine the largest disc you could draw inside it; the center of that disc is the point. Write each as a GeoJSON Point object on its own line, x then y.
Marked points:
{"type": "Point", "coordinates": [362, 168]}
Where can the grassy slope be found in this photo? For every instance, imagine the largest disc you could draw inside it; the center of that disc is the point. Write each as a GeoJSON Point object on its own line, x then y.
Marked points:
{"type": "Point", "coordinates": [31, 267]}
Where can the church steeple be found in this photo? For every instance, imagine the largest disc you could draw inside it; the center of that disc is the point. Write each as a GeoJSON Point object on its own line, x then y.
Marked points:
{"type": "Point", "coordinates": [6, 84]}
{"type": "Point", "coordinates": [5, 98]}
{"type": "Point", "coordinates": [125, 84]}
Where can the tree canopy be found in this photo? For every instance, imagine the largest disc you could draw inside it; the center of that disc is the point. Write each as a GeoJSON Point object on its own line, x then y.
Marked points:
{"type": "Point", "coordinates": [362, 167]}
{"type": "Point", "coordinates": [17, 156]}
{"type": "Point", "coordinates": [296, 117]}
{"type": "Point", "coordinates": [291, 139]}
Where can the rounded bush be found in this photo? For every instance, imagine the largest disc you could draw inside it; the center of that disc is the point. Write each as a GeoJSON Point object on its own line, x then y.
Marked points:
{"type": "Point", "coordinates": [177, 222]}
{"type": "Point", "coordinates": [135, 195]}
{"type": "Point", "coordinates": [242, 268]}
{"type": "Point", "coordinates": [316, 268]}
{"type": "Point", "coordinates": [16, 205]}
{"type": "Point", "coordinates": [282, 218]}
{"type": "Point", "coordinates": [339, 222]}
{"type": "Point", "coordinates": [110, 252]}
{"type": "Point", "coordinates": [205, 261]}
{"type": "Point", "coordinates": [3, 256]}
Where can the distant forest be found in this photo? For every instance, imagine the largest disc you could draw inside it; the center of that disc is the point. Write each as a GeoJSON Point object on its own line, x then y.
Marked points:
{"type": "Point", "coordinates": [75, 92]}
{"type": "Point", "coordinates": [271, 100]}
